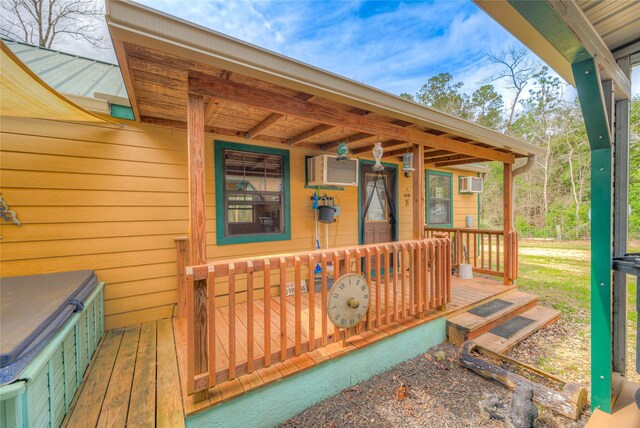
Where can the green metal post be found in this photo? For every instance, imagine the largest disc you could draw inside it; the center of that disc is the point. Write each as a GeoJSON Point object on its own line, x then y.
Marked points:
{"type": "Point", "coordinates": [595, 118]}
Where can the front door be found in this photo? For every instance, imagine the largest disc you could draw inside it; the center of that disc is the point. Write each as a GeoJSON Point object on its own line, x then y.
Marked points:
{"type": "Point", "coordinates": [377, 216]}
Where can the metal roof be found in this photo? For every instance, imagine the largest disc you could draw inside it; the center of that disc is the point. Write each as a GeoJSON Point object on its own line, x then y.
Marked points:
{"type": "Point", "coordinates": [617, 22]}
{"type": "Point", "coordinates": [71, 74]}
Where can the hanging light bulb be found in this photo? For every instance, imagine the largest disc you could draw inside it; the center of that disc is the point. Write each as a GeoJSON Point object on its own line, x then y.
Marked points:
{"type": "Point", "coordinates": [377, 155]}
{"type": "Point", "coordinates": [342, 151]}
{"type": "Point", "coordinates": [407, 164]}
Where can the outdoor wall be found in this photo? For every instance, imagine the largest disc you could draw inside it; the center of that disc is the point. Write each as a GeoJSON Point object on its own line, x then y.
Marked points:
{"type": "Point", "coordinates": [112, 199]}
{"type": "Point", "coordinates": [464, 204]}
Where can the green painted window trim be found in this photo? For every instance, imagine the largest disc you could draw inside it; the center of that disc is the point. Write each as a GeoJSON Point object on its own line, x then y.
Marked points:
{"type": "Point", "coordinates": [478, 225]}
{"type": "Point", "coordinates": [360, 225]}
{"type": "Point", "coordinates": [429, 172]}
{"type": "Point", "coordinates": [306, 178]}
{"type": "Point", "coordinates": [122, 112]}
{"type": "Point", "coordinates": [219, 147]}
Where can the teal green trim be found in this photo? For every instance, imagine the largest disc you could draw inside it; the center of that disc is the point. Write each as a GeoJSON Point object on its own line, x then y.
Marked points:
{"type": "Point", "coordinates": [543, 18]}
{"type": "Point", "coordinates": [601, 238]}
{"type": "Point", "coordinates": [597, 125]}
{"type": "Point", "coordinates": [219, 146]}
{"type": "Point", "coordinates": [122, 112]}
{"type": "Point", "coordinates": [270, 405]}
{"type": "Point", "coordinates": [429, 172]}
{"type": "Point", "coordinates": [306, 178]}
{"type": "Point", "coordinates": [360, 225]}
{"type": "Point", "coordinates": [592, 104]}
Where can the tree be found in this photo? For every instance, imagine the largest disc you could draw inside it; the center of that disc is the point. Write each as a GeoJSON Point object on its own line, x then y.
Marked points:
{"type": "Point", "coordinates": [442, 94]}
{"type": "Point", "coordinates": [486, 105]}
{"type": "Point", "coordinates": [517, 68]}
{"type": "Point", "coordinates": [47, 22]}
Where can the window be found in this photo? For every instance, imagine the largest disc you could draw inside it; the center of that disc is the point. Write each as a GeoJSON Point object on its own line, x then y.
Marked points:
{"type": "Point", "coordinates": [439, 202]}
{"type": "Point", "coordinates": [252, 193]}
{"type": "Point", "coordinates": [378, 205]}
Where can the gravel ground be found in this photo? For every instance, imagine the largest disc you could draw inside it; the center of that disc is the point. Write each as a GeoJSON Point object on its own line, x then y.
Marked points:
{"type": "Point", "coordinates": [431, 390]}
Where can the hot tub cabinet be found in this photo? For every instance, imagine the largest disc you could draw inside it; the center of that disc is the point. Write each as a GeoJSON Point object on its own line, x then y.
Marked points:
{"type": "Point", "coordinates": [44, 390]}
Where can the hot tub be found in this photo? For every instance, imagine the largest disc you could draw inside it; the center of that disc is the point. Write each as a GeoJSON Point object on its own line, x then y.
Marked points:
{"type": "Point", "coordinates": [50, 327]}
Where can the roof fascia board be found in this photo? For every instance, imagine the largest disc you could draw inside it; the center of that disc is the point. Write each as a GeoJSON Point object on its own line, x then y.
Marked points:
{"type": "Point", "coordinates": [147, 27]}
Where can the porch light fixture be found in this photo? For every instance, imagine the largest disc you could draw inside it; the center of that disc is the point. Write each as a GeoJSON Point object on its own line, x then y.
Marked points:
{"type": "Point", "coordinates": [377, 155]}
{"type": "Point", "coordinates": [407, 164]}
{"type": "Point", "coordinates": [342, 151]}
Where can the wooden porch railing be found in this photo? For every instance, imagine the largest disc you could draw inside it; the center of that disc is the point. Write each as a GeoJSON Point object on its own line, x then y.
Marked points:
{"type": "Point", "coordinates": [488, 251]}
{"type": "Point", "coordinates": [251, 322]}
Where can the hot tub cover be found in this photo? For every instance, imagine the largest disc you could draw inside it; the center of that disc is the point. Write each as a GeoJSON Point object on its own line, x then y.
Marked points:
{"type": "Point", "coordinates": [33, 308]}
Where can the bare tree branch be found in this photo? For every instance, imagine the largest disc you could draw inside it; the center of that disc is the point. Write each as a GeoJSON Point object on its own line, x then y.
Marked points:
{"type": "Point", "coordinates": [46, 22]}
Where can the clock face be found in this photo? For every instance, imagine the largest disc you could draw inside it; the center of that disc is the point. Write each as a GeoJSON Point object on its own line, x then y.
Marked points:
{"type": "Point", "coordinates": [348, 300]}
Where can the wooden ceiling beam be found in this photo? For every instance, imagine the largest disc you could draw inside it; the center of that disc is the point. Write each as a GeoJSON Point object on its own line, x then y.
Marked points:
{"type": "Point", "coordinates": [388, 146]}
{"type": "Point", "coordinates": [348, 140]}
{"type": "Point", "coordinates": [263, 126]}
{"type": "Point", "coordinates": [208, 85]}
{"type": "Point", "coordinates": [294, 141]}
{"type": "Point", "coordinates": [441, 155]}
{"type": "Point", "coordinates": [208, 128]}
{"type": "Point", "coordinates": [458, 162]}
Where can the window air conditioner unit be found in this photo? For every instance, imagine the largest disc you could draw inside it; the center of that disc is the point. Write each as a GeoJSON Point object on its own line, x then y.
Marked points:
{"type": "Point", "coordinates": [471, 184]}
{"type": "Point", "coordinates": [327, 170]}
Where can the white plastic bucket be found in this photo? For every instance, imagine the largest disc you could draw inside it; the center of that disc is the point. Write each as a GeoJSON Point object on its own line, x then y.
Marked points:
{"type": "Point", "coordinates": [466, 271]}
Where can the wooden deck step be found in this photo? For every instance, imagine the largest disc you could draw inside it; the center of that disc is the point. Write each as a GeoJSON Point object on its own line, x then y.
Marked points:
{"type": "Point", "coordinates": [482, 318]}
{"type": "Point", "coordinates": [500, 340]}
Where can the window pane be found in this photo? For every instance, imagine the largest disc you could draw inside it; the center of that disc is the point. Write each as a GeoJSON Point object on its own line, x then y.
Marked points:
{"type": "Point", "coordinates": [439, 199]}
{"type": "Point", "coordinates": [378, 206]}
{"type": "Point", "coordinates": [439, 211]}
{"type": "Point", "coordinates": [253, 193]}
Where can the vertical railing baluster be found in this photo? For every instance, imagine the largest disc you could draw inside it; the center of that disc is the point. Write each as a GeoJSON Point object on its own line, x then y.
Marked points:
{"type": "Point", "coordinates": [378, 270]}
{"type": "Point", "coordinates": [267, 312]}
{"type": "Point", "coordinates": [336, 275]}
{"type": "Point", "coordinates": [368, 276]}
{"type": "Point", "coordinates": [298, 304]}
{"type": "Point", "coordinates": [323, 303]}
{"type": "Point", "coordinates": [232, 320]}
{"type": "Point", "coordinates": [283, 309]}
{"type": "Point", "coordinates": [211, 297]}
{"type": "Point", "coordinates": [311, 287]}
{"type": "Point", "coordinates": [403, 278]}
{"type": "Point", "coordinates": [387, 266]}
{"type": "Point", "coordinates": [249, 316]}
{"type": "Point", "coordinates": [395, 281]}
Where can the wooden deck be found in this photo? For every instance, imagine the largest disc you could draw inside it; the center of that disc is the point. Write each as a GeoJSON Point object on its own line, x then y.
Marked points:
{"type": "Point", "coordinates": [138, 375]}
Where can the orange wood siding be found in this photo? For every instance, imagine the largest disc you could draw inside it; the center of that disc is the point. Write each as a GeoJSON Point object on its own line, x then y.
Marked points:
{"type": "Point", "coordinates": [113, 199]}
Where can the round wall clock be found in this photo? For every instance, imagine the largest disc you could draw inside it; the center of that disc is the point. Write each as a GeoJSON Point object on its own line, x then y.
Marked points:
{"type": "Point", "coordinates": [348, 300]}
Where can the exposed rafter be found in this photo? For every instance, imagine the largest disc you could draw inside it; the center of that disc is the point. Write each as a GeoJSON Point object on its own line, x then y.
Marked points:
{"type": "Point", "coordinates": [263, 126]}
{"type": "Point", "coordinates": [208, 85]}
{"type": "Point", "coordinates": [211, 110]}
{"type": "Point", "coordinates": [461, 161]}
{"type": "Point", "coordinates": [308, 134]}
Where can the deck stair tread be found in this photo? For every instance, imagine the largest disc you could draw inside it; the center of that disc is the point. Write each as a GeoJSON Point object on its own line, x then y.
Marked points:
{"type": "Point", "coordinates": [472, 323]}
{"type": "Point", "coordinates": [541, 317]}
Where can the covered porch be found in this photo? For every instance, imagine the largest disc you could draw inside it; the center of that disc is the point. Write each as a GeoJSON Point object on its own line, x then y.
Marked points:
{"type": "Point", "coordinates": [252, 310]}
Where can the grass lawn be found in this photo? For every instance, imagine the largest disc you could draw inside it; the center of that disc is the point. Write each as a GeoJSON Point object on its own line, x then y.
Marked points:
{"type": "Point", "coordinates": [559, 273]}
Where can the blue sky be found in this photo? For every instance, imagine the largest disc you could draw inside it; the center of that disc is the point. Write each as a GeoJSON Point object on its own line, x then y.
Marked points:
{"type": "Point", "coordinates": [393, 46]}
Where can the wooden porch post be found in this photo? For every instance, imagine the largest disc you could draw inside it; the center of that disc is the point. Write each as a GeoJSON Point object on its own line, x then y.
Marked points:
{"type": "Point", "coordinates": [197, 236]}
{"type": "Point", "coordinates": [508, 246]}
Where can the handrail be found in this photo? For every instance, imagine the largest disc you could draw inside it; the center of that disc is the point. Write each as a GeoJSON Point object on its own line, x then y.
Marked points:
{"type": "Point", "coordinates": [486, 250]}
{"type": "Point", "coordinates": [405, 278]}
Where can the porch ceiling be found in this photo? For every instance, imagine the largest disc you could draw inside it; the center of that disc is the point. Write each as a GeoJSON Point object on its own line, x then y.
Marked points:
{"type": "Point", "coordinates": [255, 94]}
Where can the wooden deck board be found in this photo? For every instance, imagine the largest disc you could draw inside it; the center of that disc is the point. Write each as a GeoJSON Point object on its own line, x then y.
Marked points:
{"type": "Point", "coordinates": [154, 364]}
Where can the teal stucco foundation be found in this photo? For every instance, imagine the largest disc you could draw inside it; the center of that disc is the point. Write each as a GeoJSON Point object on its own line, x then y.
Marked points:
{"type": "Point", "coordinates": [277, 402]}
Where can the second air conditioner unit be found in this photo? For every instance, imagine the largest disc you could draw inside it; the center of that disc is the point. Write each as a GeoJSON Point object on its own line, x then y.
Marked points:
{"type": "Point", "coordinates": [471, 185]}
